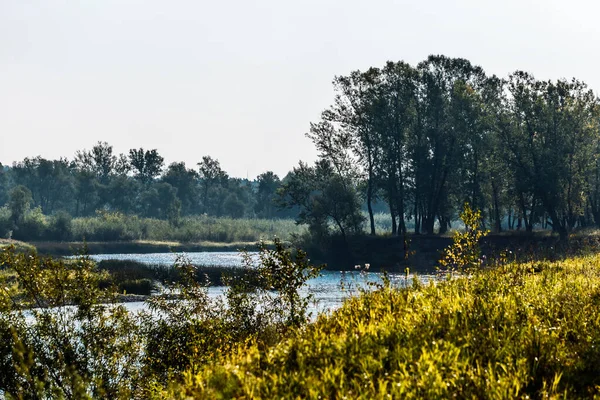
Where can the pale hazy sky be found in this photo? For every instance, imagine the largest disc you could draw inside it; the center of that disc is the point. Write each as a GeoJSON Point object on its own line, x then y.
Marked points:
{"type": "Point", "coordinates": [240, 80]}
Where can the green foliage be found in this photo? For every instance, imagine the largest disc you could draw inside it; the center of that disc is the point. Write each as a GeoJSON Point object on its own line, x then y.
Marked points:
{"type": "Point", "coordinates": [147, 165]}
{"type": "Point", "coordinates": [517, 331]}
{"type": "Point", "coordinates": [464, 254]}
{"type": "Point", "coordinates": [32, 226]}
{"type": "Point", "coordinates": [6, 225]}
{"type": "Point", "coordinates": [325, 198]}
{"type": "Point", "coordinates": [60, 339]}
{"type": "Point", "coordinates": [60, 226]}
{"type": "Point", "coordinates": [258, 308]}
{"type": "Point", "coordinates": [118, 227]}
{"type": "Point", "coordinates": [284, 273]}
{"type": "Point", "coordinates": [67, 344]}
{"type": "Point", "coordinates": [19, 202]}
{"type": "Point", "coordinates": [233, 207]}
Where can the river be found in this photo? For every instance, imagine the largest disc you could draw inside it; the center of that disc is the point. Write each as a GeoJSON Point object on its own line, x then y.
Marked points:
{"type": "Point", "coordinates": [328, 290]}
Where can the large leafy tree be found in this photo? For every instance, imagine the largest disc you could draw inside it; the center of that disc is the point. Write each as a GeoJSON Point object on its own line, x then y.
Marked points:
{"type": "Point", "coordinates": [324, 198]}
{"type": "Point", "coordinates": [447, 121]}
{"type": "Point", "coordinates": [346, 136]}
{"type": "Point", "coordinates": [50, 182]}
{"type": "Point", "coordinates": [552, 136]}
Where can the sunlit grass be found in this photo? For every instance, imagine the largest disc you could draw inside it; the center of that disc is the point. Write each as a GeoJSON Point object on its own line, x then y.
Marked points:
{"type": "Point", "coordinates": [530, 329]}
{"type": "Point", "coordinates": [19, 246]}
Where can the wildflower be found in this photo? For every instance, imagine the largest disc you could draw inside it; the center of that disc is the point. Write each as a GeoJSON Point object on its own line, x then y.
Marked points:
{"type": "Point", "coordinates": [357, 266]}
{"type": "Point", "coordinates": [367, 266]}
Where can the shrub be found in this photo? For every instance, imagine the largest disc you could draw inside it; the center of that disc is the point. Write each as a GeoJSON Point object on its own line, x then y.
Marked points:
{"type": "Point", "coordinates": [60, 227]}
{"type": "Point", "coordinates": [6, 225]}
{"type": "Point", "coordinates": [70, 345]}
{"type": "Point", "coordinates": [465, 253]}
{"type": "Point", "coordinates": [137, 286]}
{"type": "Point", "coordinates": [116, 227]}
{"type": "Point", "coordinates": [516, 331]}
{"type": "Point", "coordinates": [32, 227]}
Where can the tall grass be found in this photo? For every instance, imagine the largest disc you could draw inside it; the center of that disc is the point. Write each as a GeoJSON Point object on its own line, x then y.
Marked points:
{"type": "Point", "coordinates": [529, 330]}
{"type": "Point", "coordinates": [119, 227]}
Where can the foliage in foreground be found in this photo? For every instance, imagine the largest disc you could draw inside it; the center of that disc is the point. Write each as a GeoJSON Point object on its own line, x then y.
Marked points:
{"type": "Point", "coordinates": [62, 336]}
{"type": "Point", "coordinates": [516, 330]}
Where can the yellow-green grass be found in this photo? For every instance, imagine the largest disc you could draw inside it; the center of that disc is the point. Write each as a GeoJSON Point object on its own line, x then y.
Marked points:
{"type": "Point", "coordinates": [118, 227]}
{"type": "Point", "coordinates": [138, 247]}
{"type": "Point", "coordinates": [529, 330]}
{"type": "Point", "coordinates": [19, 246]}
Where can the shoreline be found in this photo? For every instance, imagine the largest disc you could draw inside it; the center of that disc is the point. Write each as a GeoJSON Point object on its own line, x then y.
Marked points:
{"type": "Point", "coordinates": [137, 247]}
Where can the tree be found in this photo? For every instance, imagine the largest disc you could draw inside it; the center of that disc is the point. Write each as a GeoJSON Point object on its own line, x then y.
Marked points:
{"type": "Point", "coordinates": [268, 183]}
{"type": "Point", "coordinates": [323, 197]}
{"type": "Point", "coordinates": [551, 131]}
{"type": "Point", "coordinates": [100, 161]}
{"type": "Point", "coordinates": [186, 182]}
{"type": "Point", "coordinates": [147, 165]}
{"type": "Point", "coordinates": [19, 202]}
{"type": "Point", "coordinates": [123, 194]}
{"type": "Point", "coordinates": [86, 192]}
{"type": "Point", "coordinates": [3, 185]}
{"type": "Point", "coordinates": [345, 136]}
{"type": "Point", "coordinates": [394, 120]}
{"type": "Point", "coordinates": [212, 181]}
{"type": "Point", "coordinates": [160, 201]}
{"type": "Point", "coordinates": [233, 207]}
{"type": "Point", "coordinates": [50, 182]}
{"type": "Point", "coordinates": [444, 122]}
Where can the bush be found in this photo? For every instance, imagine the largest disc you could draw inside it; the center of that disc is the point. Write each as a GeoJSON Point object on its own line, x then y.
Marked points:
{"type": "Point", "coordinates": [526, 330]}
{"type": "Point", "coordinates": [70, 345]}
{"type": "Point", "coordinates": [5, 223]}
{"type": "Point", "coordinates": [118, 227]}
{"type": "Point", "coordinates": [32, 227]}
{"type": "Point", "coordinates": [138, 286]}
{"type": "Point", "coordinates": [60, 227]}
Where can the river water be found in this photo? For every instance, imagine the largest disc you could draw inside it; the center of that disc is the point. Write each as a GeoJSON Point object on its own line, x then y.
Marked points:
{"type": "Point", "coordinates": [328, 290]}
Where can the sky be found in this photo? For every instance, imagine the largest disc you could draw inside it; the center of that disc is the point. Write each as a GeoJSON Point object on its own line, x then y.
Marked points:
{"type": "Point", "coordinates": [241, 80]}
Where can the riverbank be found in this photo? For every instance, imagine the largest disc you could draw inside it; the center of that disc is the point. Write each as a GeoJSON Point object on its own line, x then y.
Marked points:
{"type": "Point", "coordinates": [420, 253]}
{"type": "Point", "coordinates": [19, 246]}
{"type": "Point", "coordinates": [137, 247]}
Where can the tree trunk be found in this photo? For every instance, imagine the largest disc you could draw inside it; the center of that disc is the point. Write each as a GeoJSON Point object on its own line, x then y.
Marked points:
{"type": "Point", "coordinates": [498, 222]}
{"type": "Point", "coordinates": [370, 206]}
{"type": "Point", "coordinates": [400, 206]}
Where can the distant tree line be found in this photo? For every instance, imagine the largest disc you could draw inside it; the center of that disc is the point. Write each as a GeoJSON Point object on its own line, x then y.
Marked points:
{"type": "Point", "coordinates": [425, 139]}
{"type": "Point", "coordinates": [134, 184]}
{"type": "Point", "coordinates": [420, 140]}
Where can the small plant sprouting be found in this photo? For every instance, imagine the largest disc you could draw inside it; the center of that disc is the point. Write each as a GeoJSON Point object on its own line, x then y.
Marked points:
{"type": "Point", "coordinates": [464, 254]}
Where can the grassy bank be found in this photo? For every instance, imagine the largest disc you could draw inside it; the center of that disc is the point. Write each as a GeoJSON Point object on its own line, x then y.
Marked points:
{"type": "Point", "coordinates": [136, 247]}
{"type": "Point", "coordinates": [512, 331]}
{"type": "Point", "coordinates": [19, 246]}
{"type": "Point", "coordinates": [110, 227]}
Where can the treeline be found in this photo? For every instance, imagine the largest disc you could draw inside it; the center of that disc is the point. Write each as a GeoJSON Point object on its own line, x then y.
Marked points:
{"type": "Point", "coordinates": [99, 181]}
{"type": "Point", "coordinates": [426, 139]}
